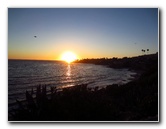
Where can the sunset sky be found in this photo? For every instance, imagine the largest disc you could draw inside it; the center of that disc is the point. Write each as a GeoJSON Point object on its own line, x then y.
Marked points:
{"type": "Point", "coordinates": [87, 32]}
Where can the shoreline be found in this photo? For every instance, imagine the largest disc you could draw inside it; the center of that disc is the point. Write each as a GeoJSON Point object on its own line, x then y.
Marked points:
{"type": "Point", "coordinates": [136, 100]}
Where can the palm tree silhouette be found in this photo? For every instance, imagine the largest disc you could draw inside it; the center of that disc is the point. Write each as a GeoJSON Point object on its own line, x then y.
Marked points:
{"type": "Point", "coordinates": [143, 51]}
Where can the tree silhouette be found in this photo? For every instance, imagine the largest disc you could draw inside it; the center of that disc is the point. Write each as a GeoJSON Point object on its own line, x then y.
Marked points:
{"type": "Point", "coordinates": [143, 51]}
{"type": "Point", "coordinates": [147, 51]}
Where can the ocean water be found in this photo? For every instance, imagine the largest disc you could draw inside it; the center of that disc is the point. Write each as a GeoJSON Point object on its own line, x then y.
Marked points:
{"type": "Point", "coordinates": [24, 75]}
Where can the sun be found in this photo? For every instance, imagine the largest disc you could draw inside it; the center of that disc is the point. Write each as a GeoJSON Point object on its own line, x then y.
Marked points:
{"type": "Point", "coordinates": [68, 57]}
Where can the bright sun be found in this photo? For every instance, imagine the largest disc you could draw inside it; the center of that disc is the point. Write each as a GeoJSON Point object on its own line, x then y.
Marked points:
{"type": "Point", "coordinates": [68, 57]}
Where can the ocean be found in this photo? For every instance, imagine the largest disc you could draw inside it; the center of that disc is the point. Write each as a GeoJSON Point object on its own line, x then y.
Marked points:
{"type": "Point", "coordinates": [26, 74]}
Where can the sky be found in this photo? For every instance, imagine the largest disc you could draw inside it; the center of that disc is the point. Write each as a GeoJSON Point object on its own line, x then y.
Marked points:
{"type": "Point", "coordinates": [87, 32]}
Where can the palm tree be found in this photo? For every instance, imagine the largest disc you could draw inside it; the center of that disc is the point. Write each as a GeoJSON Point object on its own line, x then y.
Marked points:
{"type": "Point", "coordinates": [147, 51]}
{"type": "Point", "coordinates": [143, 51]}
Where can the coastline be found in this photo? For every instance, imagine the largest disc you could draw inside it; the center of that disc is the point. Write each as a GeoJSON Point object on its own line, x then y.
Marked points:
{"type": "Point", "coordinates": [136, 100]}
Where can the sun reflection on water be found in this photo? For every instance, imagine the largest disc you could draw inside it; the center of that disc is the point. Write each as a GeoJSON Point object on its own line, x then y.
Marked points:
{"type": "Point", "coordinates": [68, 73]}
{"type": "Point", "coordinates": [68, 77]}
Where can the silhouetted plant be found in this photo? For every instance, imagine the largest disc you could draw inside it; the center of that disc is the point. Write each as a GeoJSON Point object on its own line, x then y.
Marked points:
{"type": "Point", "coordinates": [143, 51]}
{"type": "Point", "coordinates": [147, 51]}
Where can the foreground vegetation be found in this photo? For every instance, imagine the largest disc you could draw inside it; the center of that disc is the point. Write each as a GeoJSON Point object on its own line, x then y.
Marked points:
{"type": "Point", "coordinates": [134, 101]}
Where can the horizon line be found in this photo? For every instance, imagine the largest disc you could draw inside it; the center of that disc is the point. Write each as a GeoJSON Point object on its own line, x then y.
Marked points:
{"type": "Point", "coordinates": [82, 58]}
